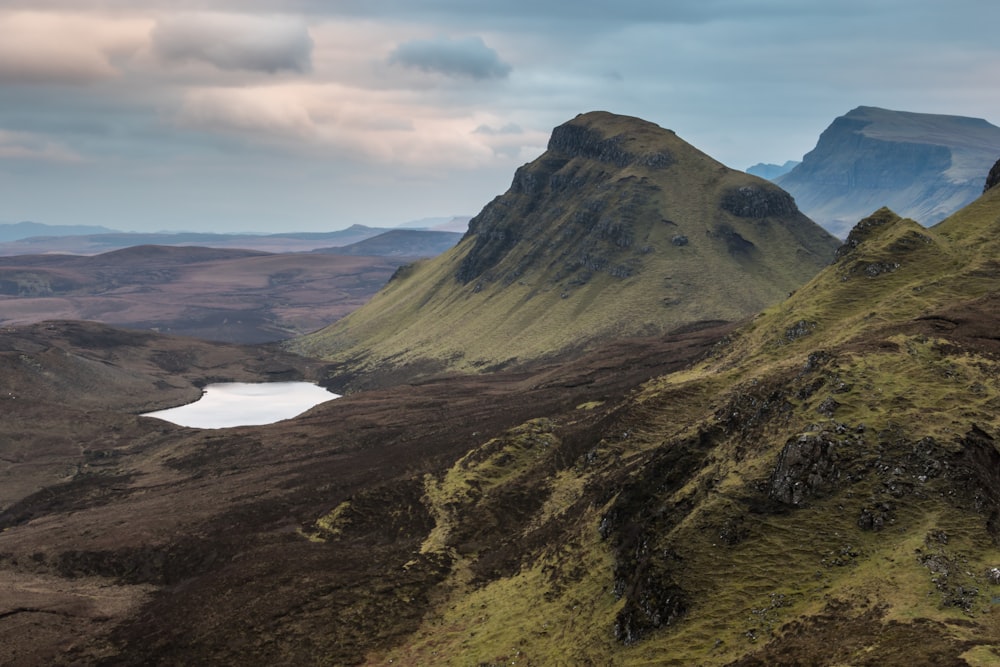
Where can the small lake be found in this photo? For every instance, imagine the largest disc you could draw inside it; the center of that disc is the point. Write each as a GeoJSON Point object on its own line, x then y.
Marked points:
{"type": "Point", "coordinates": [246, 404]}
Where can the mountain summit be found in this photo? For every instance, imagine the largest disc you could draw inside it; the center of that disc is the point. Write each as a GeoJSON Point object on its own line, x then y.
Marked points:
{"type": "Point", "coordinates": [923, 166]}
{"type": "Point", "coordinates": [620, 228]}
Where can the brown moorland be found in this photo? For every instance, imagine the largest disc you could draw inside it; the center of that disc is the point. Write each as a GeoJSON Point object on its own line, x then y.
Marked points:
{"type": "Point", "coordinates": [132, 540]}
{"type": "Point", "coordinates": [238, 296]}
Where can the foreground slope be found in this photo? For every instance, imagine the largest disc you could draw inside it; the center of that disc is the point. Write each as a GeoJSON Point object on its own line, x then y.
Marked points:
{"type": "Point", "coordinates": [923, 166]}
{"type": "Point", "coordinates": [620, 228]}
{"type": "Point", "coordinates": [823, 490]}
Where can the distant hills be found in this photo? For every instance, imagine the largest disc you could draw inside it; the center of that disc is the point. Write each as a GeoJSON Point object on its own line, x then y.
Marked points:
{"type": "Point", "coordinates": [30, 238]}
{"type": "Point", "coordinates": [400, 243]}
{"type": "Point", "coordinates": [457, 223]}
{"type": "Point", "coordinates": [22, 230]}
{"type": "Point", "coordinates": [772, 171]}
{"type": "Point", "coordinates": [219, 294]}
{"type": "Point", "coordinates": [620, 228]}
{"type": "Point", "coordinates": [97, 243]}
{"type": "Point", "coordinates": [923, 166]}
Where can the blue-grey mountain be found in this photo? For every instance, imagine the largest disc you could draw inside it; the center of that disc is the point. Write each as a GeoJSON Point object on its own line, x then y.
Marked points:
{"type": "Point", "coordinates": [923, 166]}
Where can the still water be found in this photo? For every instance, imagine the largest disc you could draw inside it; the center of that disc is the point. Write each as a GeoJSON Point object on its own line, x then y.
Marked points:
{"type": "Point", "coordinates": [245, 404]}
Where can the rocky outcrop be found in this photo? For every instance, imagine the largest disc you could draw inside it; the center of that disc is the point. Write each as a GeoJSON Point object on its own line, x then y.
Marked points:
{"type": "Point", "coordinates": [994, 176]}
{"type": "Point", "coordinates": [580, 141]}
{"type": "Point", "coordinates": [752, 201]}
{"type": "Point", "coordinates": [865, 229]}
{"type": "Point", "coordinates": [807, 467]}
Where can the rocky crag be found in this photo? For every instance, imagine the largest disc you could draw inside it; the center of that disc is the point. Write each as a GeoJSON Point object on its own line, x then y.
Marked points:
{"type": "Point", "coordinates": [923, 166]}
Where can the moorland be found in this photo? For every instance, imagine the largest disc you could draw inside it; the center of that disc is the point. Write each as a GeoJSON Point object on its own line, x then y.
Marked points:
{"type": "Point", "coordinates": [802, 471]}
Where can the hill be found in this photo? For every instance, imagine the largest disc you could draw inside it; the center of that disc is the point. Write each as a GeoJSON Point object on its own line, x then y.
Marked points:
{"type": "Point", "coordinates": [923, 166]}
{"type": "Point", "coordinates": [15, 231]}
{"type": "Point", "coordinates": [92, 243]}
{"type": "Point", "coordinates": [240, 296]}
{"type": "Point", "coordinates": [771, 171]}
{"type": "Point", "coordinates": [412, 243]}
{"type": "Point", "coordinates": [619, 229]}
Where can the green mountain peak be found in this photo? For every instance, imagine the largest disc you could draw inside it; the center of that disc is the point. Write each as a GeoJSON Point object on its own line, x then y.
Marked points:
{"type": "Point", "coordinates": [619, 229]}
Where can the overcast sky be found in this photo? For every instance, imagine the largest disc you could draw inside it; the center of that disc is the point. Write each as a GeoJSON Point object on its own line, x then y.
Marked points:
{"type": "Point", "coordinates": [260, 115]}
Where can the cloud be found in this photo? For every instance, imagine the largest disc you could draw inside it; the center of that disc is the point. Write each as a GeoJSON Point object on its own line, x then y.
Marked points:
{"type": "Point", "coordinates": [66, 48]}
{"type": "Point", "coordinates": [464, 57]}
{"type": "Point", "coordinates": [381, 127]}
{"type": "Point", "coordinates": [235, 42]}
{"type": "Point", "coordinates": [30, 146]}
{"type": "Point", "coordinates": [509, 128]}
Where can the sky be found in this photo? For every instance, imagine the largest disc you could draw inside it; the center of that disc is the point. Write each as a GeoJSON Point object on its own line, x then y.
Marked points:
{"type": "Point", "coordinates": [309, 115]}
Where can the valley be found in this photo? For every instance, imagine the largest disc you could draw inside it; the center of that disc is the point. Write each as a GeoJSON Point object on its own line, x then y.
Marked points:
{"type": "Point", "coordinates": [644, 412]}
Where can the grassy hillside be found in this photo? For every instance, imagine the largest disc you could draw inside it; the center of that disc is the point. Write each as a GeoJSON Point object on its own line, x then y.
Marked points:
{"type": "Point", "coordinates": [619, 228]}
{"type": "Point", "coordinates": [822, 490]}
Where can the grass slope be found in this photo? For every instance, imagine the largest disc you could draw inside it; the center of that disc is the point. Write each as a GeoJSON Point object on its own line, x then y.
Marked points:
{"type": "Point", "coordinates": [620, 228]}
{"type": "Point", "coordinates": [822, 490]}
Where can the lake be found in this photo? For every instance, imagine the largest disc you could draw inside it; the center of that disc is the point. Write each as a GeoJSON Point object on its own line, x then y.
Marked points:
{"type": "Point", "coordinates": [246, 404]}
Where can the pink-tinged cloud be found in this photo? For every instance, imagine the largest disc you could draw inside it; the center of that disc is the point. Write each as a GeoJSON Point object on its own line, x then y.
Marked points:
{"type": "Point", "coordinates": [29, 146]}
{"type": "Point", "coordinates": [377, 126]}
{"type": "Point", "coordinates": [235, 41]}
{"type": "Point", "coordinates": [66, 48]}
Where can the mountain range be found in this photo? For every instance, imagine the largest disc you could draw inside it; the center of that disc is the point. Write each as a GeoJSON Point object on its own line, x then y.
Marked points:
{"type": "Point", "coordinates": [814, 482]}
{"type": "Point", "coordinates": [410, 243]}
{"type": "Point", "coordinates": [28, 238]}
{"type": "Point", "coordinates": [923, 166]}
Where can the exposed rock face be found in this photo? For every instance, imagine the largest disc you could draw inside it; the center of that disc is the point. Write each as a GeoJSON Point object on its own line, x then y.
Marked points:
{"type": "Point", "coordinates": [752, 201]}
{"type": "Point", "coordinates": [806, 467]}
{"type": "Point", "coordinates": [581, 141]}
{"type": "Point", "coordinates": [923, 166]}
{"type": "Point", "coordinates": [994, 176]}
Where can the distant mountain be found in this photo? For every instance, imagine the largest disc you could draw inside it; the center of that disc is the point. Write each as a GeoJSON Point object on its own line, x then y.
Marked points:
{"type": "Point", "coordinates": [400, 243]}
{"type": "Point", "coordinates": [23, 230]}
{"type": "Point", "coordinates": [94, 244]}
{"type": "Point", "coordinates": [923, 166]}
{"type": "Point", "coordinates": [620, 228]}
{"type": "Point", "coordinates": [772, 171]}
{"type": "Point", "coordinates": [457, 223]}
